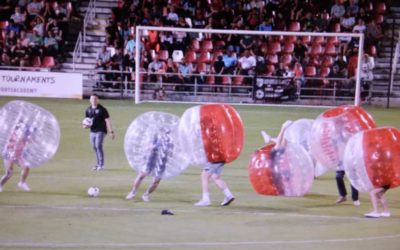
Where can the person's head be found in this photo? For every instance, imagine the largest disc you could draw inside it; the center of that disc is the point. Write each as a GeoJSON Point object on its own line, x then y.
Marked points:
{"type": "Point", "coordinates": [94, 100]}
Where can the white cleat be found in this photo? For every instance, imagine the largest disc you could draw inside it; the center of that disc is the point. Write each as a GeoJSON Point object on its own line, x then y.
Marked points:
{"type": "Point", "coordinates": [202, 203]}
{"type": "Point", "coordinates": [130, 196]}
{"type": "Point", "coordinates": [385, 214]}
{"type": "Point", "coordinates": [145, 198]}
{"type": "Point", "coordinates": [227, 201]}
{"type": "Point", "coordinates": [357, 203]}
{"type": "Point", "coordinates": [23, 186]}
{"type": "Point", "coordinates": [373, 215]}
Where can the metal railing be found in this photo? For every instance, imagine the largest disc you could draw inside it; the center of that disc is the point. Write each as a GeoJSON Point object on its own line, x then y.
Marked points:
{"type": "Point", "coordinates": [394, 62]}
{"type": "Point", "coordinates": [81, 40]}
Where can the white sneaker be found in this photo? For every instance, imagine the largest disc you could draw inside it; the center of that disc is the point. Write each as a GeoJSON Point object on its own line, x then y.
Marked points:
{"type": "Point", "coordinates": [266, 137]}
{"type": "Point", "coordinates": [130, 196]}
{"type": "Point", "coordinates": [385, 214]}
{"type": "Point", "coordinates": [357, 203]}
{"type": "Point", "coordinates": [203, 203]}
{"type": "Point", "coordinates": [24, 186]}
{"type": "Point", "coordinates": [373, 215]}
{"type": "Point", "coordinates": [100, 168]}
{"type": "Point", "coordinates": [145, 198]}
{"type": "Point", "coordinates": [227, 201]}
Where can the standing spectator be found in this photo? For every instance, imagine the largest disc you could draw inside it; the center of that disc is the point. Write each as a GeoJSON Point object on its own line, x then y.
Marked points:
{"type": "Point", "coordinates": [300, 51]}
{"type": "Point", "coordinates": [99, 129]}
{"type": "Point", "coordinates": [218, 68]}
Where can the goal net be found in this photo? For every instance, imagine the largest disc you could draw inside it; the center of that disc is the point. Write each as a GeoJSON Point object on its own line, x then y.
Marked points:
{"type": "Point", "coordinates": [243, 66]}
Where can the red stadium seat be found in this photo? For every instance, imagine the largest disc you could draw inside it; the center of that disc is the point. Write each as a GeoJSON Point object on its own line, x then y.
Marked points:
{"type": "Point", "coordinates": [238, 80]}
{"type": "Point", "coordinates": [190, 56]}
{"type": "Point", "coordinates": [315, 50]}
{"type": "Point", "coordinates": [48, 62]}
{"type": "Point", "coordinates": [36, 62]}
{"type": "Point", "coordinates": [379, 19]}
{"type": "Point", "coordinates": [195, 45]}
{"type": "Point", "coordinates": [327, 61]}
{"type": "Point", "coordinates": [310, 71]}
{"type": "Point", "coordinates": [324, 71]}
{"type": "Point", "coordinates": [380, 8]}
{"type": "Point", "coordinates": [270, 70]}
{"type": "Point", "coordinates": [336, 27]}
{"type": "Point", "coordinates": [272, 59]}
{"type": "Point", "coordinates": [286, 59]}
{"type": "Point", "coordinates": [332, 40]}
{"type": "Point", "coordinates": [220, 44]}
{"type": "Point", "coordinates": [163, 55]}
{"type": "Point", "coordinates": [210, 79]}
{"type": "Point", "coordinates": [226, 80]}
{"type": "Point", "coordinates": [206, 45]}
{"type": "Point", "coordinates": [306, 40]}
{"type": "Point", "coordinates": [204, 57]}
{"type": "Point", "coordinates": [288, 48]}
{"type": "Point", "coordinates": [201, 68]}
{"type": "Point", "coordinates": [290, 39]}
{"type": "Point", "coordinates": [330, 49]}
{"type": "Point", "coordinates": [274, 48]}
{"type": "Point", "coordinates": [318, 40]}
{"type": "Point", "coordinates": [3, 24]}
{"type": "Point", "coordinates": [294, 26]}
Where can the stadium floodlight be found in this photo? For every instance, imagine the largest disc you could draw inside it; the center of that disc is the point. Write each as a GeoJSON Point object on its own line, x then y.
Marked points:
{"type": "Point", "coordinates": [140, 30]}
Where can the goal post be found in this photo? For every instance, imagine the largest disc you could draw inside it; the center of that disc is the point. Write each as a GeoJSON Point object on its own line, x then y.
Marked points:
{"type": "Point", "coordinates": [141, 29]}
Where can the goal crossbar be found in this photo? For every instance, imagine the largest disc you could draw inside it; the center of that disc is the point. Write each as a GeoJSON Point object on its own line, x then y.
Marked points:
{"type": "Point", "coordinates": [140, 29]}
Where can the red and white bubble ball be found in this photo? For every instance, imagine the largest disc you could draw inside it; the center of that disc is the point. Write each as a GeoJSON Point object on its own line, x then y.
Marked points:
{"type": "Point", "coordinates": [372, 159]}
{"type": "Point", "coordinates": [211, 133]}
{"type": "Point", "coordinates": [29, 134]}
{"type": "Point", "coordinates": [287, 171]}
{"type": "Point", "coordinates": [331, 131]}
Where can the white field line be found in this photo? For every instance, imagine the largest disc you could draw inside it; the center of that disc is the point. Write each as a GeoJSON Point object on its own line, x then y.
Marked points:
{"type": "Point", "coordinates": [192, 244]}
{"type": "Point", "coordinates": [177, 211]}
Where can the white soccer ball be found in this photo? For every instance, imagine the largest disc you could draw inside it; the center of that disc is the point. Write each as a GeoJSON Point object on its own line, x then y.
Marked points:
{"type": "Point", "coordinates": [87, 122]}
{"type": "Point", "coordinates": [93, 191]}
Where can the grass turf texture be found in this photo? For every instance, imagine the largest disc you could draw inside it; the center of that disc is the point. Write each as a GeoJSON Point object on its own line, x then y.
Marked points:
{"type": "Point", "coordinates": [58, 214]}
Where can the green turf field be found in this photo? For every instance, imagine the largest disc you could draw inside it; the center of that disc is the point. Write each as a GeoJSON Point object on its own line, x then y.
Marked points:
{"type": "Point", "coordinates": [57, 213]}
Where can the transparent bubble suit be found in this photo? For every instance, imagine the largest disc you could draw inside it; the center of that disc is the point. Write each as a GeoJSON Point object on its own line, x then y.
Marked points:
{"type": "Point", "coordinates": [286, 171]}
{"type": "Point", "coordinates": [331, 131]}
{"type": "Point", "coordinates": [372, 159]}
{"type": "Point", "coordinates": [29, 134]}
{"type": "Point", "coordinates": [212, 133]}
{"type": "Point", "coordinates": [141, 149]}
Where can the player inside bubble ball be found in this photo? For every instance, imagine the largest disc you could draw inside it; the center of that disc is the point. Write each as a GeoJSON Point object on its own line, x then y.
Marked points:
{"type": "Point", "coordinates": [14, 153]}
{"type": "Point", "coordinates": [160, 150]}
{"type": "Point", "coordinates": [213, 170]}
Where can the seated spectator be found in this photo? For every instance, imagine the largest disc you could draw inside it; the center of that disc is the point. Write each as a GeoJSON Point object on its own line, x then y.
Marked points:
{"type": "Point", "coordinates": [218, 69]}
{"type": "Point", "coordinates": [155, 70]}
{"type": "Point", "coordinates": [300, 51]}
{"type": "Point", "coordinates": [246, 65]}
{"type": "Point", "coordinates": [360, 26]}
{"type": "Point", "coordinates": [373, 34]}
{"type": "Point", "coordinates": [353, 7]}
{"type": "Point", "coordinates": [170, 72]}
{"type": "Point", "coordinates": [185, 71]}
{"type": "Point", "coordinates": [34, 8]}
{"type": "Point", "coordinates": [51, 45]}
{"type": "Point", "coordinates": [337, 10]}
{"type": "Point", "coordinates": [13, 27]}
{"type": "Point", "coordinates": [18, 17]}
{"type": "Point", "coordinates": [19, 55]}
{"type": "Point", "coordinates": [230, 61]}
{"type": "Point", "coordinates": [347, 22]}
{"type": "Point", "coordinates": [37, 24]}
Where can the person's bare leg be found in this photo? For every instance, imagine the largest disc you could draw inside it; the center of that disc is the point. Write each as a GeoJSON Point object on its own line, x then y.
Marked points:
{"type": "Point", "coordinates": [382, 199]}
{"type": "Point", "coordinates": [205, 201]}
{"type": "Point", "coordinates": [22, 180]}
{"type": "Point", "coordinates": [9, 170]}
{"type": "Point", "coordinates": [221, 184]}
{"type": "Point", "coordinates": [136, 185]}
{"type": "Point", "coordinates": [374, 200]}
{"type": "Point", "coordinates": [153, 186]}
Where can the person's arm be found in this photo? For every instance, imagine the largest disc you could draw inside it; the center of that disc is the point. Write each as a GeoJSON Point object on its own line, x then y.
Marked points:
{"type": "Point", "coordinates": [109, 128]}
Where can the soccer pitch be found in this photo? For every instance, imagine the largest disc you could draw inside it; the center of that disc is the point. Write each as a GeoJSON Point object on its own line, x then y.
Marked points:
{"type": "Point", "coordinates": [58, 214]}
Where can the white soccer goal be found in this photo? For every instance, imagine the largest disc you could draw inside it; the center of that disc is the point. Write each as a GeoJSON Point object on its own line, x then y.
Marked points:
{"type": "Point", "coordinates": [143, 91]}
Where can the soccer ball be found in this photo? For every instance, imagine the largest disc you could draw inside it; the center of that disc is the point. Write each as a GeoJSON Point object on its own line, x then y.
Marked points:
{"type": "Point", "coordinates": [93, 191]}
{"type": "Point", "coordinates": [87, 122]}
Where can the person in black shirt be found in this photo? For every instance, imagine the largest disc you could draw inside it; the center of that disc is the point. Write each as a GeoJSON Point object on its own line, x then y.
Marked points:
{"type": "Point", "coordinates": [101, 125]}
